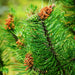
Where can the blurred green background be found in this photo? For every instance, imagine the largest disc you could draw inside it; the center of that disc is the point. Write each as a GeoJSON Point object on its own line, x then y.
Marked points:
{"type": "Point", "coordinates": [18, 5]}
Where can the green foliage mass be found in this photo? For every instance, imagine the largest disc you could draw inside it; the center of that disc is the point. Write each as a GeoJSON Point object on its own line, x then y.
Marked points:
{"type": "Point", "coordinates": [51, 42]}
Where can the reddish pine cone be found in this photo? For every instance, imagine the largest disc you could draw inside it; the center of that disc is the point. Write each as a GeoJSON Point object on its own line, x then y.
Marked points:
{"type": "Point", "coordinates": [74, 37]}
{"type": "Point", "coordinates": [19, 43]}
{"type": "Point", "coordinates": [28, 61]}
{"type": "Point", "coordinates": [9, 22]}
{"type": "Point", "coordinates": [45, 12]}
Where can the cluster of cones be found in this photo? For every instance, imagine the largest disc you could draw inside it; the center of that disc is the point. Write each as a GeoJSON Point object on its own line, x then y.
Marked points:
{"type": "Point", "coordinates": [45, 12]}
{"type": "Point", "coordinates": [10, 22]}
{"type": "Point", "coordinates": [28, 61]}
{"type": "Point", "coordinates": [74, 37]}
{"type": "Point", "coordinates": [19, 43]}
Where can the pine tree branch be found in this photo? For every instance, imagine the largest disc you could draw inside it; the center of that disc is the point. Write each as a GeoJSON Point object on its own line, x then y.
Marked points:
{"type": "Point", "coordinates": [48, 39]}
{"type": "Point", "coordinates": [14, 36]}
{"type": "Point", "coordinates": [52, 49]}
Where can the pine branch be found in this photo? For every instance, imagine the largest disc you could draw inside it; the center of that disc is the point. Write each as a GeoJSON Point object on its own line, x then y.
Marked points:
{"type": "Point", "coordinates": [52, 49]}
{"type": "Point", "coordinates": [14, 36]}
{"type": "Point", "coordinates": [48, 39]}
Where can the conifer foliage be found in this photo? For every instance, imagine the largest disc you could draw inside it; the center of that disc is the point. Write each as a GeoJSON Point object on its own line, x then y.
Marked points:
{"type": "Point", "coordinates": [44, 44]}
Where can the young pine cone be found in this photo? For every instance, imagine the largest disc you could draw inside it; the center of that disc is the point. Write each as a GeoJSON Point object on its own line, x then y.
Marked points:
{"type": "Point", "coordinates": [28, 61]}
{"type": "Point", "coordinates": [9, 22]}
{"type": "Point", "coordinates": [45, 12]}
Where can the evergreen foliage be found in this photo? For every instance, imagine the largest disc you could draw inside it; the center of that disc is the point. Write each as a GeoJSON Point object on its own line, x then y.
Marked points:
{"type": "Point", "coordinates": [50, 42]}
